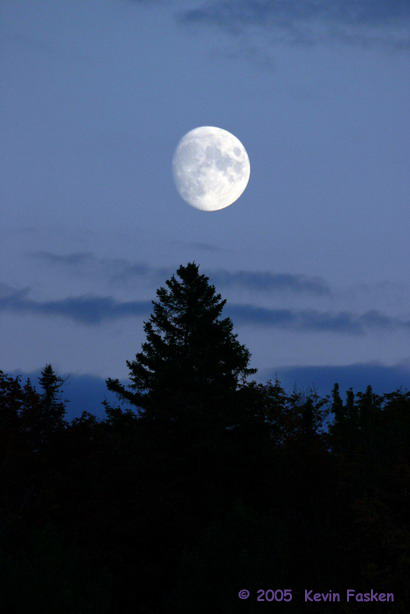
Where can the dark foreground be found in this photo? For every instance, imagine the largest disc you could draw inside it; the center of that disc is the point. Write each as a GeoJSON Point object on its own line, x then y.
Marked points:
{"type": "Point", "coordinates": [127, 515]}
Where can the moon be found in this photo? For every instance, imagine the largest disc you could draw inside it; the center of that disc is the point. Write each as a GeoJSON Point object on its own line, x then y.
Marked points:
{"type": "Point", "coordinates": [211, 168]}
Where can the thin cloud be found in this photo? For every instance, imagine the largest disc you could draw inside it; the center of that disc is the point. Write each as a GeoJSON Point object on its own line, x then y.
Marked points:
{"type": "Point", "coordinates": [75, 259]}
{"type": "Point", "coordinates": [206, 247]}
{"type": "Point", "coordinates": [315, 321]}
{"type": "Point", "coordinates": [310, 21]}
{"type": "Point", "coordinates": [304, 320]}
{"type": "Point", "coordinates": [267, 282]}
{"type": "Point", "coordinates": [121, 270]}
{"type": "Point", "coordinates": [86, 263]}
{"type": "Point", "coordinates": [94, 310]}
{"type": "Point", "coordinates": [87, 310]}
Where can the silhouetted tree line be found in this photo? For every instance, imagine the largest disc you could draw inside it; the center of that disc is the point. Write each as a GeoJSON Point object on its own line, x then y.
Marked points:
{"type": "Point", "coordinates": [200, 483]}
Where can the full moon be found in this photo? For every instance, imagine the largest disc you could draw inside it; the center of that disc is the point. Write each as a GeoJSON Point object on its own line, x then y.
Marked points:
{"type": "Point", "coordinates": [211, 168]}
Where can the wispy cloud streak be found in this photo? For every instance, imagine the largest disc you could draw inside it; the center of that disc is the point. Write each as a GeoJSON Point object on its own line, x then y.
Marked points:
{"type": "Point", "coordinates": [115, 269]}
{"type": "Point", "coordinates": [118, 269]}
{"type": "Point", "coordinates": [267, 282]}
{"type": "Point", "coordinates": [343, 322]}
{"type": "Point", "coordinates": [94, 310]}
{"type": "Point", "coordinates": [310, 21]}
{"type": "Point", "coordinates": [88, 310]}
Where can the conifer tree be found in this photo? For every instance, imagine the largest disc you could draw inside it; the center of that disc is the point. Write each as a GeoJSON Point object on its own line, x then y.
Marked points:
{"type": "Point", "coordinates": [338, 408]}
{"type": "Point", "coordinates": [10, 405]}
{"type": "Point", "coordinates": [191, 361]}
{"type": "Point", "coordinates": [42, 413]}
{"type": "Point", "coordinates": [51, 385]}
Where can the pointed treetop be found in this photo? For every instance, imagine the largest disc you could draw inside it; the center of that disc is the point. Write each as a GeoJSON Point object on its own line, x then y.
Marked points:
{"type": "Point", "coordinates": [190, 355]}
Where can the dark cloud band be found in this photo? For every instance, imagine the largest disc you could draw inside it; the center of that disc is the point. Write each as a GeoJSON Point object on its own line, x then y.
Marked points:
{"type": "Point", "coordinates": [94, 310]}
{"type": "Point", "coordinates": [88, 310]}
{"type": "Point", "coordinates": [318, 321]}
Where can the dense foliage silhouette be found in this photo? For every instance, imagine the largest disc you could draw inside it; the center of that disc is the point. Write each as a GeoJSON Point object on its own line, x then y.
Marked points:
{"type": "Point", "coordinates": [191, 361]}
{"type": "Point", "coordinates": [200, 483]}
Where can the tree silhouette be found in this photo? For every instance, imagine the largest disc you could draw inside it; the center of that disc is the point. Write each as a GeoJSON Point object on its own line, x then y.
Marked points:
{"type": "Point", "coordinates": [191, 360]}
{"type": "Point", "coordinates": [42, 414]}
{"type": "Point", "coordinates": [213, 484]}
{"type": "Point", "coordinates": [10, 405]}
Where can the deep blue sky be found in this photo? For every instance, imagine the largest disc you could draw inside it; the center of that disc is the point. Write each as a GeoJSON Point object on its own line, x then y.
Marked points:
{"type": "Point", "coordinates": [313, 258]}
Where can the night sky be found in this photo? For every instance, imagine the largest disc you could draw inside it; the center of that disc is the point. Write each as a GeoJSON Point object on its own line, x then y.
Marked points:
{"type": "Point", "coordinates": [313, 258]}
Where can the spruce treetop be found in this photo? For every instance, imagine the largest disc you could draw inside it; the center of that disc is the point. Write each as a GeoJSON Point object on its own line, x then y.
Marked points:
{"type": "Point", "coordinates": [191, 356]}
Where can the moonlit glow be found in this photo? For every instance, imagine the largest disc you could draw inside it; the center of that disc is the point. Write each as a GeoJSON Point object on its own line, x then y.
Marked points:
{"type": "Point", "coordinates": [211, 168]}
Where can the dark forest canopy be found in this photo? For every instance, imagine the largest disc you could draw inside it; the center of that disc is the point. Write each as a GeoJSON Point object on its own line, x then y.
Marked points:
{"type": "Point", "coordinates": [201, 484]}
